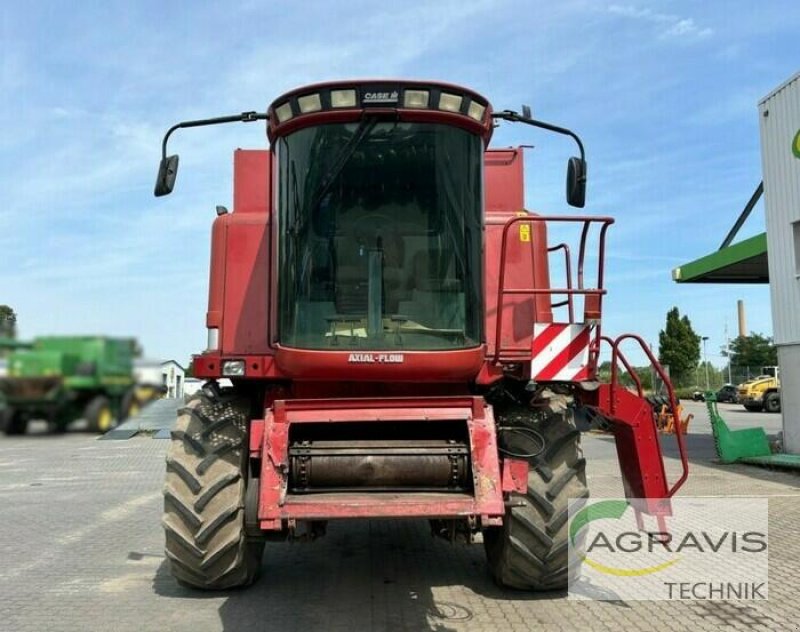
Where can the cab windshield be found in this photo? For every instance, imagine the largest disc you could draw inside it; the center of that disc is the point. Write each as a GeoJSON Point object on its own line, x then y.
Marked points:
{"type": "Point", "coordinates": [379, 242]}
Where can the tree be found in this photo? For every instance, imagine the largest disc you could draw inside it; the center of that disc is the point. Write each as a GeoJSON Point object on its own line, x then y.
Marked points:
{"type": "Point", "coordinates": [644, 373]}
{"type": "Point", "coordinates": [753, 351]}
{"type": "Point", "coordinates": [8, 322]}
{"type": "Point", "coordinates": [716, 377]}
{"type": "Point", "coordinates": [679, 347]}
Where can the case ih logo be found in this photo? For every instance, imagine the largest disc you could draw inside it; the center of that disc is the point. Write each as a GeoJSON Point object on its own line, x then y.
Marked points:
{"type": "Point", "coordinates": [376, 358]}
{"type": "Point", "coordinates": [380, 97]}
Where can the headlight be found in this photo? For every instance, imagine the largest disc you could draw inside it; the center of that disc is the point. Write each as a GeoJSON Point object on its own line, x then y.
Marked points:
{"type": "Point", "coordinates": [233, 368]}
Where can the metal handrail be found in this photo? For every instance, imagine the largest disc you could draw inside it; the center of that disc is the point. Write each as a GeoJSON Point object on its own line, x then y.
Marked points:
{"type": "Point", "coordinates": [631, 371]}
{"type": "Point", "coordinates": [568, 270]}
{"type": "Point", "coordinates": [569, 291]}
{"type": "Point", "coordinates": [616, 355]}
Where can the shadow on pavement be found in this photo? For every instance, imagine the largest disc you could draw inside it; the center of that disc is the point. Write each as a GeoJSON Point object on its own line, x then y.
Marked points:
{"type": "Point", "coordinates": [372, 575]}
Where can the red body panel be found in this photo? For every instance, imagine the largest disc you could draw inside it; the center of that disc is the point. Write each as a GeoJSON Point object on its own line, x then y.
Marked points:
{"type": "Point", "coordinates": [240, 264]}
{"type": "Point", "coordinates": [380, 366]}
{"type": "Point", "coordinates": [503, 178]}
{"type": "Point", "coordinates": [246, 325]}
{"type": "Point", "coordinates": [527, 265]}
{"type": "Point", "coordinates": [276, 506]}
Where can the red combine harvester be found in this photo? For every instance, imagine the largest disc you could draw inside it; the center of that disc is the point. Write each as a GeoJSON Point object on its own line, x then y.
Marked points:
{"type": "Point", "coordinates": [402, 339]}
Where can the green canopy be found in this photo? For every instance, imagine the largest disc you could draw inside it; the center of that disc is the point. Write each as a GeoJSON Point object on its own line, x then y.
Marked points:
{"type": "Point", "coordinates": [742, 262]}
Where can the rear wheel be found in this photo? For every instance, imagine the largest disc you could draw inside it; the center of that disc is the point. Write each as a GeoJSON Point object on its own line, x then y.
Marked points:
{"type": "Point", "coordinates": [99, 415]}
{"type": "Point", "coordinates": [204, 495]}
{"type": "Point", "coordinates": [130, 406]}
{"type": "Point", "coordinates": [12, 422]}
{"type": "Point", "coordinates": [772, 403]}
{"type": "Point", "coordinates": [530, 550]}
{"type": "Point", "coordinates": [754, 408]}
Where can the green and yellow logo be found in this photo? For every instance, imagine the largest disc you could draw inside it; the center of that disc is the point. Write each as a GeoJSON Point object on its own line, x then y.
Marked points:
{"type": "Point", "coordinates": [796, 145]}
{"type": "Point", "coordinates": [607, 510]}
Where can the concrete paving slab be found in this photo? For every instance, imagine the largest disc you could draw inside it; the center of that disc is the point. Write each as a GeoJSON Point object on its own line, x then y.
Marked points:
{"type": "Point", "coordinates": [81, 549]}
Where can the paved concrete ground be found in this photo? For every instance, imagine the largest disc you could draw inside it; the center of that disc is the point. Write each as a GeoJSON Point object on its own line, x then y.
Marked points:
{"type": "Point", "coordinates": [81, 549]}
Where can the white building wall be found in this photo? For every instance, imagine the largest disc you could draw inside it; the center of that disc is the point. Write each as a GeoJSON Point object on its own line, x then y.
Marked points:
{"type": "Point", "coordinates": [780, 122]}
{"type": "Point", "coordinates": [173, 377]}
{"type": "Point", "coordinates": [147, 371]}
{"type": "Point", "coordinates": [789, 361]}
{"type": "Point", "coordinates": [779, 115]}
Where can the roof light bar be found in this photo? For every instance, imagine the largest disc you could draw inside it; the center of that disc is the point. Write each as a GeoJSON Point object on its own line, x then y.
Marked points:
{"type": "Point", "coordinates": [379, 95]}
{"type": "Point", "coordinates": [309, 103]}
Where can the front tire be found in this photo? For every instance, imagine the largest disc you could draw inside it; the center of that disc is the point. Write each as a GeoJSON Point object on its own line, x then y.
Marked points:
{"type": "Point", "coordinates": [772, 403]}
{"type": "Point", "coordinates": [530, 550]}
{"type": "Point", "coordinates": [12, 422]}
{"type": "Point", "coordinates": [130, 406]}
{"type": "Point", "coordinates": [99, 415]}
{"type": "Point", "coordinates": [204, 495]}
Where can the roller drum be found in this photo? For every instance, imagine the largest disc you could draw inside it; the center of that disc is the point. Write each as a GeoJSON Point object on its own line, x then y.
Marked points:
{"type": "Point", "coordinates": [402, 465]}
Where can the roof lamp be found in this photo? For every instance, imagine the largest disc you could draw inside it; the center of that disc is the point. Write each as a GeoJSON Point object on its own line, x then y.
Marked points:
{"type": "Point", "coordinates": [416, 98]}
{"type": "Point", "coordinates": [476, 111]}
{"type": "Point", "coordinates": [284, 112]}
{"type": "Point", "coordinates": [450, 102]}
{"type": "Point", "coordinates": [310, 103]}
{"type": "Point", "coordinates": [343, 98]}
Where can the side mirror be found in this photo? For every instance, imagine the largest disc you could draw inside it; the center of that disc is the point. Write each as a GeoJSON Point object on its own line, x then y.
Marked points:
{"type": "Point", "coordinates": [167, 172]}
{"type": "Point", "coordinates": [576, 182]}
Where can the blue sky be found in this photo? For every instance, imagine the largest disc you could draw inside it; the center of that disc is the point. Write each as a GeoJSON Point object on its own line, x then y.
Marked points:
{"type": "Point", "coordinates": [664, 95]}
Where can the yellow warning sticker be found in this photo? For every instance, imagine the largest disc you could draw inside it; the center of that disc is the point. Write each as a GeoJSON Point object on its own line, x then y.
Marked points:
{"type": "Point", "coordinates": [524, 232]}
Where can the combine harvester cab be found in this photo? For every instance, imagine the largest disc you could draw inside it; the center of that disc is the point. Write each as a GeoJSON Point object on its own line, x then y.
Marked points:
{"type": "Point", "coordinates": [403, 339]}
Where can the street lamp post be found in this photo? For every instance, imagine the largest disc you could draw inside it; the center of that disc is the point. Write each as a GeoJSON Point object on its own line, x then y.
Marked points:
{"type": "Point", "coordinates": [705, 362]}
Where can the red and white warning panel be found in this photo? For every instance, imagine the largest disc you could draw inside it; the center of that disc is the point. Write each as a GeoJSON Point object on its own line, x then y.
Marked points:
{"type": "Point", "coordinates": [560, 352]}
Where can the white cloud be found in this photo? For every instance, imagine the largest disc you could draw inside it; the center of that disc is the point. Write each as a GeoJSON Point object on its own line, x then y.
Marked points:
{"type": "Point", "coordinates": [686, 27]}
{"type": "Point", "coordinates": [670, 26]}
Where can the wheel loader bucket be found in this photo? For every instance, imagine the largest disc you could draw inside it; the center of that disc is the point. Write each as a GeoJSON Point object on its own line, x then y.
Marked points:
{"type": "Point", "coordinates": [733, 445]}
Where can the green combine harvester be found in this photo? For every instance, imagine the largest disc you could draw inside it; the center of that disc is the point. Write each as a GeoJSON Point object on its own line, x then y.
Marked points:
{"type": "Point", "coordinates": [64, 378]}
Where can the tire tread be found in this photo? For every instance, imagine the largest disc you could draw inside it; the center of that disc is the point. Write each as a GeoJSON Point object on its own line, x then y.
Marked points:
{"type": "Point", "coordinates": [205, 540]}
{"type": "Point", "coordinates": [530, 550]}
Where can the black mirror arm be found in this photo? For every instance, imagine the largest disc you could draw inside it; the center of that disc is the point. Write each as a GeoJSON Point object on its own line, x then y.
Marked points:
{"type": "Point", "coordinates": [244, 117]}
{"type": "Point", "coordinates": [516, 117]}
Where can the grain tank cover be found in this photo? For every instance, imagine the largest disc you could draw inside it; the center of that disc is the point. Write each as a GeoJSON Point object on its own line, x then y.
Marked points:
{"type": "Point", "coordinates": [74, 356]}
